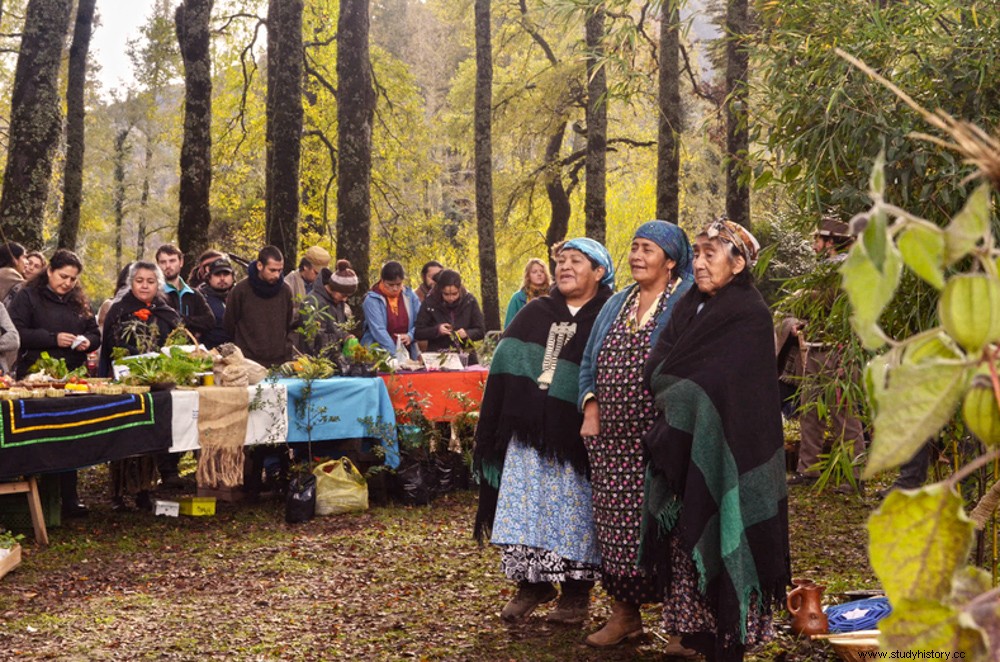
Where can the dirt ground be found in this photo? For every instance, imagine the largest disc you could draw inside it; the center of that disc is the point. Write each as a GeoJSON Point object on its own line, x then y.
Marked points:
{"type": "Point", "coordinates": [392, 583]}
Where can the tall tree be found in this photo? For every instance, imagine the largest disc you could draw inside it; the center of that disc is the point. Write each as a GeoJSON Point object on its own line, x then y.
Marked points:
{"type": "Point", "coordinates": [737, 131]}
{"type": "Point", "coordinates": [668, 145]}
{"type": "Point", "coordinates": [35, 121]}
{"type": "Point", "coordinates": [595, 192]}
{"type": "Point", "coordinates": [483, 128]}
{"type": "Point", "coordinates": [121, 154]}
{"type": "Point", "coordinates": [76, 81]}
{"type": "Point", "coordinates": [284, 126]}
{"type": "Point", "coordinates": [193, 36]}
{"type": "Point", "coordinates": [355, 110]}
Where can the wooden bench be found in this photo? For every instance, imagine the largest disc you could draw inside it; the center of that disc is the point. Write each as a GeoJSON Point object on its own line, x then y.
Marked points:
{"type": "Point", "coordinates": [29, 486]}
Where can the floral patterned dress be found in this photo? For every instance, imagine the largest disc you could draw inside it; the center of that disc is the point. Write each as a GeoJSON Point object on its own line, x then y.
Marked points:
{"type": "Point", "coordinates": [617, 464]}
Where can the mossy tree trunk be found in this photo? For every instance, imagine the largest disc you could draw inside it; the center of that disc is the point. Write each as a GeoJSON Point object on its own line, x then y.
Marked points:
{"type": "Point", "coordinates": [193, 36]}
{"type": "Point", "coordinates": [35, 121]}
{"type": "Point", "coordinates": [669, 143]}
{"type": "Point", "coordinates": [483, 126]}
{"type": "Point", "coordinates": [284, 126]}
{"type": "Point", "coordinates": [355, 111]}
{"type": "Point", "coordinates": [595, 192]}
{"type": "Point", "coordinates": [737, 133]}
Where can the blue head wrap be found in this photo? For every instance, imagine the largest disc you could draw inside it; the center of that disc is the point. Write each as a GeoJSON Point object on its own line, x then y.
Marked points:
{"type": "Point", "coordinates": [673, 241]}
{"type": "Point", "coordinates": [596, 252]}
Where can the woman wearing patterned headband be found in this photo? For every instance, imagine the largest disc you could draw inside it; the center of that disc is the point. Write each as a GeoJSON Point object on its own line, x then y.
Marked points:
{"type": "Point", "coordinates": [618, 411]}
{"type": "Point", "coordinates": [715, 519]}
{"type": "Point", "coordinates": [534, 496]}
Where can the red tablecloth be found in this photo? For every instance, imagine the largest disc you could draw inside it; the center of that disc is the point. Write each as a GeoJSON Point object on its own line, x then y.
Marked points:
{"type": "Point", "coordinates": [437, 391]}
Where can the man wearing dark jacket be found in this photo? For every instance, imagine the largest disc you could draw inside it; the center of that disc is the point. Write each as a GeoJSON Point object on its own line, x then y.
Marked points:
{"type": "Point", "coordinates": [216, 289]}
{"type": "Point", "coordinates": [259, 311]}
{"type": "Point", "coordinates": [191, 305]}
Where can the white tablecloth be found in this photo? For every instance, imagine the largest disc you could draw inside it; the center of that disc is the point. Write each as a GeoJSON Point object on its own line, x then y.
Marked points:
{"type": "Point", "coordinates": [268, 422]}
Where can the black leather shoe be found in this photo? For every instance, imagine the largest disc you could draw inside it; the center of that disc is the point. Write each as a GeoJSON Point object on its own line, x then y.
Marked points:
{"type": "Point", "coordinates": [75, 510]}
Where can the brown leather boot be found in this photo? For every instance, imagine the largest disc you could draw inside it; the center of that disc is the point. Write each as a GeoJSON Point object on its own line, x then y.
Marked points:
{"type": "Point", "coordinates": [625, 623]}
{"type": "Point", "coordinates": [529, 595]}
{"type": "Point", "coordinates": [574, 603]}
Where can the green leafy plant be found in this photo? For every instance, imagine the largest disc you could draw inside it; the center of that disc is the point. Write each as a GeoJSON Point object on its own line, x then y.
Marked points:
{"type": "Point", "coordinates": [920, 540]}
{"type": "Point", "coordinates": [9, 540]}
{"type": "Point", "coordinates": [55, 368]}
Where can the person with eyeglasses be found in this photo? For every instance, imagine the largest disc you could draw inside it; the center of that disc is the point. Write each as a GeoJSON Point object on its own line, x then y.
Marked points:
{"type": "Point", "coordinates": [391, 309]}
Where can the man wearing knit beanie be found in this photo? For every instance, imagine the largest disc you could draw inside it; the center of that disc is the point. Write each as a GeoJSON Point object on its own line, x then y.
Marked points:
{"type": "Point", "coordinates": [301, 281]}
{"type": "Point", "coordinates": [335, 325]}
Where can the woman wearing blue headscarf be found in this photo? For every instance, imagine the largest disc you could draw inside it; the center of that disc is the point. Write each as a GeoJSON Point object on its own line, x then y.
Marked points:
{"type": "Point", "coordinates": [534, 494]}
{"type": "Point", "coordinates": [618, 411]}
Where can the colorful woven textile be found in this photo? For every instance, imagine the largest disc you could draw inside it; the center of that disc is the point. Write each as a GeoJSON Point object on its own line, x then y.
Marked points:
{"type": "Point", "coordinates": [39, 435]}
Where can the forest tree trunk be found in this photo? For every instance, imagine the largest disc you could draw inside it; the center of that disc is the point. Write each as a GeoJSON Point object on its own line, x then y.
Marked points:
{"type": "Point", "coordinates": [669, 142]}
{"type": "Point", "coordinates": [556, 191]}
{"type": "Point", "coordinates": [35, 121]}
{"type": "Point", "coordinates": [193, 36]}
{"type": "Point", "coordinates": [118, 193]}
{"type": "Point", "coordinates": [284, 126]}
{"type": "Point", "coordinates": [355, 111]}
{"type": "Point", "coordinates": [484, 168]}
{"type": "Point", "coordinates": [737, 134]}
{"type": "Point", "coordinates": [140, 239]}
{"type": "Point", "coordinates": [76, 80]}
{"type": "Point", "coordinates": [597, 128]}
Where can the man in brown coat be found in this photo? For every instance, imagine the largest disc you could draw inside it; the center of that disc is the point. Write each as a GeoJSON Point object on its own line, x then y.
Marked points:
{"type": "Point", "coordinates": [259, 311]}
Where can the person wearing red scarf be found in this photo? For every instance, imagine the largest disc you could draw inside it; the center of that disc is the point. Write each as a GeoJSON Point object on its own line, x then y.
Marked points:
{"type": "Point", "coordinates": [391, 311]}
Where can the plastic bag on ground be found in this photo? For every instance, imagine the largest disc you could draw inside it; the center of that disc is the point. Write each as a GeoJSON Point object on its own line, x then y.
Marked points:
{"type": "Point", "coordinates": [340, 488]}
{"type": "Point", "coordinates": [300, 503]}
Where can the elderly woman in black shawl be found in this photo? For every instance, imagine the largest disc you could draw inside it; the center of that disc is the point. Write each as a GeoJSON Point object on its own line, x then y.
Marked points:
{"type": "Point", "coordinates": [535, 496]}
{"type": "Point", "coordinates": [715, 520]}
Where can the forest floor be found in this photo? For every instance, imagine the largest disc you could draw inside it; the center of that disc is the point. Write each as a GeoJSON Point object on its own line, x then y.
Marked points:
{"type": "Point", "coordinates": [394, 582]}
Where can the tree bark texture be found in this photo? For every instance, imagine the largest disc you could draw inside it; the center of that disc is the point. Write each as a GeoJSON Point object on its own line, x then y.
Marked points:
{"type": "Point", "coordinates": [284, 126]}
{"type": "Point", "coordinates": [355, 112]}
{"type": "Point", "coordinates": [35, 121]}
{"type": "Point", "coordinates": [556, 191]}
{"type": "Point", "coordinates": [737, 134]}
{"type": "Point", "coordinates": [669, 142]}
{"type": "Point", "coordinates": [118, 193]}
{"type": "Point", "coordinates": [76, 80]}
{"type": "Point", "coordinates": [193, 36]}
{"type": "Point", "coordinates": [595, 210]}
{"type": "Point", "coordinates": [140, 235]}
{"type": "Point", "coordinates": [483, 127]}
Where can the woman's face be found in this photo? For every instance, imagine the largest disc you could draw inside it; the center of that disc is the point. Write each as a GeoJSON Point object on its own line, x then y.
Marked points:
{"type": "Point", "coordinates": [63, 279]}
{"type": "Point", "coordinates": [32, 266]}
{"type": "Point", "coordinates": [649, 263]}
{"type": "Point", "coordinates": [713, 266]}
{"type": "Point", "coordinates": [537, 275]}
{"type": "Point", "coordinates": [450, 294]}
{"type": "Point", "coordinates": [144, 285]}
{"type": "Point", "coordinates": [576, 277]}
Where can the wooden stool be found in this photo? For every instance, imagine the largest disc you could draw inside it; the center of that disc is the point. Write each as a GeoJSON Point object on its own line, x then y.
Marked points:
{"type": "Point", "coordinates": [29, 486]}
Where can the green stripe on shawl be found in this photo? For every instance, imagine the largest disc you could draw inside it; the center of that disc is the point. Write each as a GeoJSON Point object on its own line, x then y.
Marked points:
{"type": "Point", "coordinates": [524, 359]}
{"type": "Point", "coordinates": [689, 409]}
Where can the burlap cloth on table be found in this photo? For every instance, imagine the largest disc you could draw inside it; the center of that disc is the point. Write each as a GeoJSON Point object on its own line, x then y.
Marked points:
{"type": "Point", "coordinates": [222, 428]}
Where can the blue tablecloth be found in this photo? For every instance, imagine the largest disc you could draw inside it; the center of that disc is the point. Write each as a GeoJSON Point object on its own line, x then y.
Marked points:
{"type": "Point", "coordinates": [349, 400]}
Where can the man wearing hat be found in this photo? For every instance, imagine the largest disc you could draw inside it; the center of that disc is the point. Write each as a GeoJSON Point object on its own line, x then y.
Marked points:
{"type": "Point", "coordinates": [821, 360]}
{"type": "Point", "coordinates": [301, 281]}
{"type": "Point", "coordinates": [216, 289]}
{"type": "Point", "coordinates": [331, 300]}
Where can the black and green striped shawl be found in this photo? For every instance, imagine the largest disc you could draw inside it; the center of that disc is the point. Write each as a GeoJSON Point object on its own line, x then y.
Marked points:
{"type": "Point", "coordinates": [716, 465]}
{"type": "Point", "coordinates": [514, 404]}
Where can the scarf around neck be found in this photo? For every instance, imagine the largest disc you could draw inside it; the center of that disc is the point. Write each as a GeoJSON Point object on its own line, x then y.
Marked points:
{"type": "Point", "coordinates": [531, 393]}
{"type": "Point", "coordinates": [261, 287]}
{"type": "Point", "coordinates": [712, 376]}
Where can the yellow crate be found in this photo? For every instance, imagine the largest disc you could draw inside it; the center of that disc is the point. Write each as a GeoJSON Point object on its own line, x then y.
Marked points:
{"type": "Point", "coordinates": [198, 506]}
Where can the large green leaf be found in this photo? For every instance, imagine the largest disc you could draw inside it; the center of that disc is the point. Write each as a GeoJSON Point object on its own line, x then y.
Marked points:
{"type": "Point", "coordinates": [917, 541]}
{"type": "Point", "coordinates": [926, 625]}
{"type": "Point", "coordinates": [922, 247]}
{"type": "Point", "coordinates": [969, 583]}
{"type": "Point", "coordinates": [918, 400]}
{"type": "Point", "coordinates": [969, 226]}
{"type": "Point", "coordinates": [870, 286]}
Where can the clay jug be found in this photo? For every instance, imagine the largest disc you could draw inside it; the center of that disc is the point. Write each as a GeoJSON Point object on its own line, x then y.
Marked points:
{"type": "Point", "coordinates": [805, 606]}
